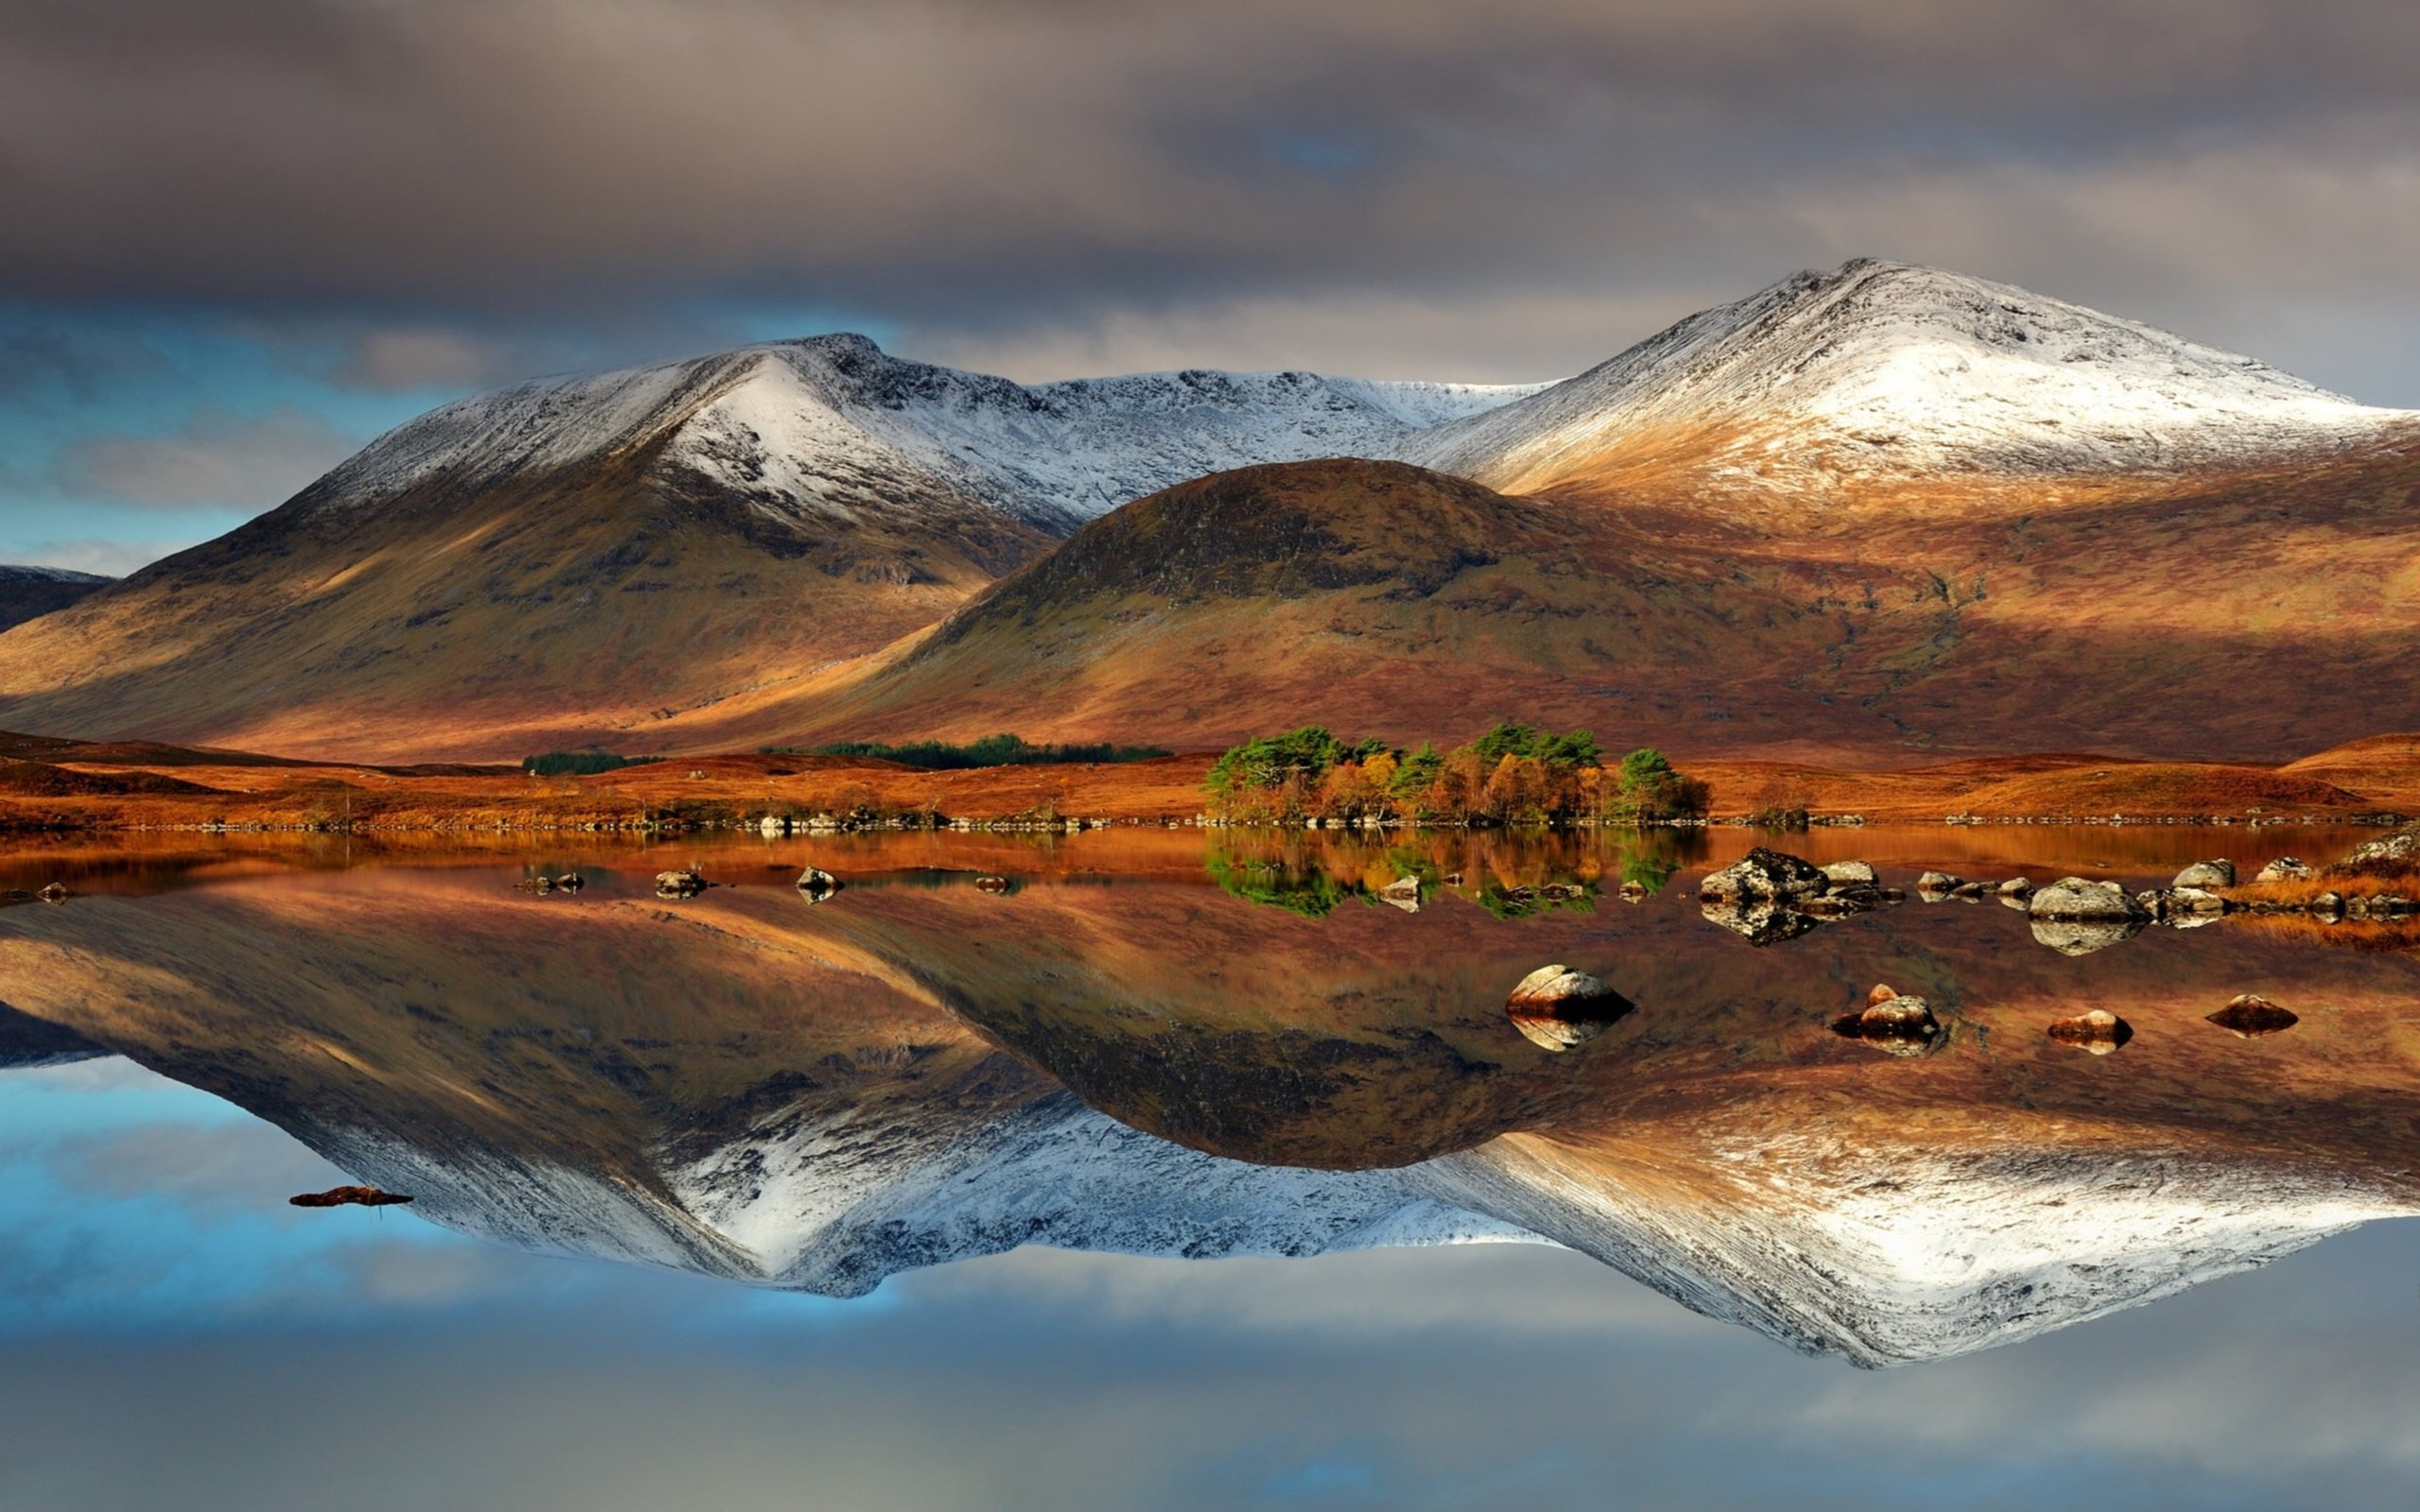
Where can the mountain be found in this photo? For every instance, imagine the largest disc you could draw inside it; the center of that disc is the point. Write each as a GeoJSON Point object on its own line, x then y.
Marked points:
{"type": "Point", "coordinates": [1871, 516]}
{"type": "Point", "coordinates": [572, 560]}
{"type": "Point", "coordinates": [1868, 516]}
{"type": "Point", "coordinates": [29, 593]}
{"type": "Point", "coordinates": [1879, 372]}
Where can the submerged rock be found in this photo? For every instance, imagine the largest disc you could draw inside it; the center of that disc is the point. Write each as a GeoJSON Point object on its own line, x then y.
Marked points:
{"type": "Point", "coordinates": [2251, 1015]}
{"type": "Point", "coordinates": [815, 884]}
{"type": "Point", "coordinates": [2286, 868]}
{"type": "Point", "coordinates": [681, 883]}
{"type": "Point", "coordinates": [1893, 1024]}
{"type": "Point", "coordinates": [2206, 874]}
{"type": "Point", "coordinates": [2099, 1031]}
{"type": "Point", "coordinates": [1557, 1008]}
{"type": "Point", "coordinates": [1403, 893]}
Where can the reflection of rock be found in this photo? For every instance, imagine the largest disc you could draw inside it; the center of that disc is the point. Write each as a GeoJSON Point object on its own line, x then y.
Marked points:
{"type": "Point", "coordinates": [1557, 1008]}
{"type": "Point", "coordinates": [53, 892]}
{"type": "Point", "coordinates": [992, 884]}
{"type": "Point", "coordinates": [2099, 1031]}
{"type": "Point", "coordinates": [348, 1197]}
{"type": "Point", "coordinates": [1403, 893]}
{"type": "Point", "coordinates": [815, 884]}
{"type": "Point", "coordinates": [1768, 896]}
{"type": "Point", "coordinates": [2218, 873]}
{"type": "Point", "coordinates": [1893, 1024]}
{"type": "Point", "coordinates": [2284, 869]}
{"type": "Point", "coordinates": [1760, 923]}
{"type": "Point", "coordinates": [2082, 937]}
{"type": "Point", "coordinates": [2251, 1015]}
{"type": "Point", "coordinates": [682, 883]}
{"type": "Point", "coordinates": [2182, 907]}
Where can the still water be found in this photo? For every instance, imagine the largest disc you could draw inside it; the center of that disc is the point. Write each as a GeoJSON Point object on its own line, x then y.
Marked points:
{"type": "Point", "coordinates": [1145, 1175]}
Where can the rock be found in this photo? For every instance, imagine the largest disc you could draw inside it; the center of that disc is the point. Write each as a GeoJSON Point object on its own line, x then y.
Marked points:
{"type": "Point", "coordinates": [1763, 875]}
{"type": "Point", "coordinates": [815, 884]}
{"type": "Point", "coordinates": [1967, 889]}
{"type": "Point", "coordinates": [772, 825]}
{"type": "Point", "coordinates": [2082, 937]}
{"type": "Point", "coordinates": [536, 885]}
{"type": "Point", "coordinates": [2016, 888]}
{"type": "Point", "coordinates": [568, 882]}
{"type": "Point", "coordinates": [1633, 891]}
{"type": "Point", "coordinates": [2099, 1031]}
{"type": "Point", "coordinates": [1839, 873]}
{"type": "Point", "coordinates": [1557, 1008]}
{"type": "Point", "coordinates": [2286, 868]}
{"type": "Point", "coordinates": [2402, 846]}
{"type": "Point", "coordinates": [348, 1197]}
{"type": "Point", "coordinates": [2207, 875]}
{"type": "Point", "coordinates": [2251, 1015]}
{"type": "Point", "coordinates": [1893, 1024]}
{"type": "Point", "coordinates": [1935, 884]}
{"type": "Point", "coordinates": [1403, 893]}
{"type": "Point", "coordinates": [2327, 907]}
{"type": "Point", "coordinates": [679, 884]}
{"type": "Point", "coordinates": [992, 884]}
{"type": "Point", "coordinates": [2075, 898]}
{"type": "Point", "coordinates": [53, 892]}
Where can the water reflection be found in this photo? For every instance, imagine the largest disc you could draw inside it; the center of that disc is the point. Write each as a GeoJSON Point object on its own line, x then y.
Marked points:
{"type": "Point", "coordinates": [1155, 1051]}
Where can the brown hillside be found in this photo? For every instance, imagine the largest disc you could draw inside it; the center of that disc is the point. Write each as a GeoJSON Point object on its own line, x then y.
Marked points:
{"type": "Point", "coordinates": [490, 623]}
{"type": "Point", "coordinates": [2249, 617]}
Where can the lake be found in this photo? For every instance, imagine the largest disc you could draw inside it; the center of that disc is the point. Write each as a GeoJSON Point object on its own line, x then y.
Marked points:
{"type": "Point", "coordinates": [1146, 1168]}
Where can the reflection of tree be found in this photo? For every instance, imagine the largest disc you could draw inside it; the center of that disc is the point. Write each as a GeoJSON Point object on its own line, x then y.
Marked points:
{"type": "Point", "coordinates": [1511, 874]}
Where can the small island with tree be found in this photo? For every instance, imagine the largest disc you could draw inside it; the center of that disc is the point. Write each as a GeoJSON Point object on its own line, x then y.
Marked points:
{"type": "Point", "coordinates": [1516, 774]}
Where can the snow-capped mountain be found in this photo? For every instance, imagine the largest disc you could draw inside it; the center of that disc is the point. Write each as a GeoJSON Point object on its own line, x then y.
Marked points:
{"type": "Point", "coordinates": [1880, 368]}
{"type": "Point", "coordinates": [834, 424]}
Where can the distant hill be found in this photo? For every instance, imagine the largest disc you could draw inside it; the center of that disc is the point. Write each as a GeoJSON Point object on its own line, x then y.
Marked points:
{"type": "Point", "coordinates": [29, 593]}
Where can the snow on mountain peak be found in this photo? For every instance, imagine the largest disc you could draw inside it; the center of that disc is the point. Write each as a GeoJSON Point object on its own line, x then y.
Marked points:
{"type": "Point", "coordinates": [1884, 368]}
{"type": "Point", "coordinates": [834, 423]}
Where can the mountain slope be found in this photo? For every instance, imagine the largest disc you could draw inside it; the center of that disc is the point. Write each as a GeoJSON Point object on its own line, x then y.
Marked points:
{"type": "Point", "coordinates": [571, 560]}
{"type": "Point", "coordinates": [29, 593]}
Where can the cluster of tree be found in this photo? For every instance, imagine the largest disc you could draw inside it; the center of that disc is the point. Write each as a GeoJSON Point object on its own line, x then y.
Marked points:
{"type": "Point", "coordinates": [1513, 774]}
{"type": "Point", "coordinates": [992, 750]}
{"type": "Point", "coordinates": [580, 763]}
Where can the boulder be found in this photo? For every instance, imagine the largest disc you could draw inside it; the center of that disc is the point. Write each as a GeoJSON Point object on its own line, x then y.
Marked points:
{"type": "Point", "coordinates": [2016, 888]}
{"type": "Point", "coordinates": [2099, 1031]}
{"type": "Point", "coordinates": [1893, 1024]}
{"type": "Point", "coordinates": [2076, 898]}
{"type": "Point", "coordinates": [682, 883]}
{"type": "Point", "coordinates": [1557, 1008]}
{"type": "Point", "coordinates": [2402, 846]}
{"type": "Point", "coordinates": [1403, 893]}
{"type": "Point", "coordinates": [1841, 872]}
{"type": "Point", "coordinates": [2251, 1015]}
{"type": "Point", "coordinates": [1937, 882]}
{"type": "Point", "coordinates": [2207, 875]}
{"type": "Point", "coordinates": [815, 884]}
{"type": "Point", "coordinates": [1764, 875]}
{"type": "Point", "coordinates": [2286, 868]}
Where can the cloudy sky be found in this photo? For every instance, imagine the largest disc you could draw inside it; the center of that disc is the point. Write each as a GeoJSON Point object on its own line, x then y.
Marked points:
{"type": "Point", "coordinates": [245, 237]}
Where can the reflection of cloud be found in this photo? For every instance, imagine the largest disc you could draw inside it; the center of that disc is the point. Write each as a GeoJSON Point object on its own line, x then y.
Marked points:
{"type": "Point", "coordinates": [218, 1172]}
{"type": "Point", "coordinates": [218, 461]}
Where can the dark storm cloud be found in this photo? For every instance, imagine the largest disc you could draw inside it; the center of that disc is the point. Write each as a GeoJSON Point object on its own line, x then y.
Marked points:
{"type": "Point", "coordinates": [1507, 189]}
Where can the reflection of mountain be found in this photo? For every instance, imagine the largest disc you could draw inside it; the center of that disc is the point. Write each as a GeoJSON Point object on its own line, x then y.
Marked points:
{"type": "Point", "coordinates": [747, 1088]}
